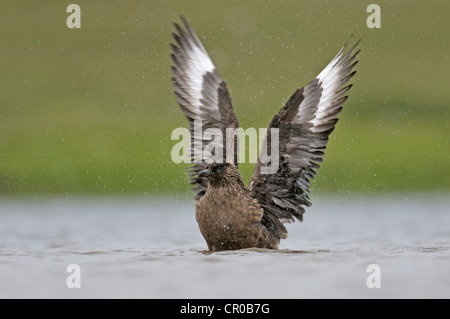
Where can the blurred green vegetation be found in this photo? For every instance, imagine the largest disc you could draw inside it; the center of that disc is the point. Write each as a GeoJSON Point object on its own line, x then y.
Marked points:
{"type": "Point", "coordinates": [91, 110]}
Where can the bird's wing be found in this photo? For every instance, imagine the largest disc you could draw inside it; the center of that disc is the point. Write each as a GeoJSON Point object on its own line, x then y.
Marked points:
{"type": "Point", "coordinates": [204, 99]}
{"type": "Point", "coordinates": [303, 124]}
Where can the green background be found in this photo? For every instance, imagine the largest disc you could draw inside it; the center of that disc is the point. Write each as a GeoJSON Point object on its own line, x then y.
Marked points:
{"type": "Point", "coordinates": [91, 110]}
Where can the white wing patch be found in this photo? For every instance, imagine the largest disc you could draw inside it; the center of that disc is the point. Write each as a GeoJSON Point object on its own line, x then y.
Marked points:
{"type": "Point", "coordinates": [330, 81]}
{"type": "Point", "coordinates": [198, 64]}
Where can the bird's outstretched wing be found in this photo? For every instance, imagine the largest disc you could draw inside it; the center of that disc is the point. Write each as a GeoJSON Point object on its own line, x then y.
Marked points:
{"type": "Point", "coordinates": [203, 96]}
{"type": "Point", "coordinates": [304, 125]}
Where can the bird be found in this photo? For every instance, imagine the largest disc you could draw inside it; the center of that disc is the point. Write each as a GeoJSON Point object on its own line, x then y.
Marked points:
{"type": "Point", "coordinates": [230, 215]}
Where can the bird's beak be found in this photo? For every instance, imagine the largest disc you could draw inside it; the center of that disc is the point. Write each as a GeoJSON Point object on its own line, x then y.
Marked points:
{"type": "Point", "coordinates": [204, 173]}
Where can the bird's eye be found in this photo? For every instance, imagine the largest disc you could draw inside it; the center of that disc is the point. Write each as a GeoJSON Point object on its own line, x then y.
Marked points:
{"type": "Point", "coordinates": [219, 169]}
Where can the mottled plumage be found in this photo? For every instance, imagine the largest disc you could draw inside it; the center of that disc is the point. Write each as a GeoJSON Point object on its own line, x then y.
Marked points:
{"type": "Point", "coordinates": [231, 216]}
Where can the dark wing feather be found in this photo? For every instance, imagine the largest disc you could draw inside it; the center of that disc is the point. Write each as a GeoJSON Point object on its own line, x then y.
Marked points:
{"type": "Point", "coordinates": [304, 124]}
{"type": "Point", "coordinates": [203, 96]}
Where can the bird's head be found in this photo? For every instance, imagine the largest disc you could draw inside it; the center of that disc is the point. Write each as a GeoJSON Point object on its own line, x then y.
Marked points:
{"type": "Point", "coordinates": [218, 172]}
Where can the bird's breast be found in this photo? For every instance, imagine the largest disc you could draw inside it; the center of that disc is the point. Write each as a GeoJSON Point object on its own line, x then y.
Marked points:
{"type": "Point", "coordinates": [230, 220]}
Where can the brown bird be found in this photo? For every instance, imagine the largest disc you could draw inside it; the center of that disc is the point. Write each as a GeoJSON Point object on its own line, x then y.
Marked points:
{"type": "Point", "coordinates": [229, 215]}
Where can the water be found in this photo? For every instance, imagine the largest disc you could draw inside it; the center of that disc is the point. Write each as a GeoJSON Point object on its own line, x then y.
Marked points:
{"type": "Point", "coordinates": [152, 248]}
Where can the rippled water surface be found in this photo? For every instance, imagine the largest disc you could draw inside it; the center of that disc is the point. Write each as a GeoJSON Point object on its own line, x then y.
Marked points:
{"type": "Point", "coordinates": [152, 248]}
